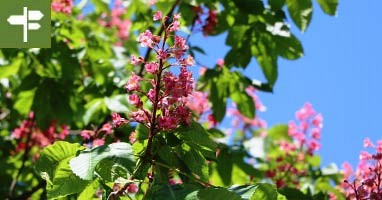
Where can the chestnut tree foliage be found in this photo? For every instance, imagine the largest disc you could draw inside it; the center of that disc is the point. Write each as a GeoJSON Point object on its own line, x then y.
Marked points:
{"type": "Point", "coordinates": [112, 110]}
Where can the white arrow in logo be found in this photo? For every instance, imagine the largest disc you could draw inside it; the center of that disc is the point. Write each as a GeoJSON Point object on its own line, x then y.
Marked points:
{"type": "Point", "coordinates": [31, 15]}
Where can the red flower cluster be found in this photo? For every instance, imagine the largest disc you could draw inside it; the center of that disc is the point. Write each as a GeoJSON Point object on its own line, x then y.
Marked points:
{"type": "Point", "coordinates": [168, 92]}
{"type": "Point", "coordinates": [64, 6]}
{"type": "Point", "coordinates": [366, 182]}
{"type": "Point", "coordinates": [291, 166]}
{"type": "Point", "coordinates": [30, 134]}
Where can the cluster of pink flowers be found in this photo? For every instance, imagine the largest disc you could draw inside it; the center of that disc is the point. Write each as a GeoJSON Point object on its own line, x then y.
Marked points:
{"type": "Point", "coordinates": [38, 137]}
{"type": "Point", "coordinates": [64, 6]}
{"type": "Point", "coordinates": [305, 140]}
{"type": "Point", "coordinates": [366, 182]}
{"type": "Point", "coordinates": [97, 138]}
{"type": "Point", "coordinates": [117, 20]}
{"type": "Point", "coordinates": [168, 92]}
{"type": "Point", "coordinates": [308, 132]}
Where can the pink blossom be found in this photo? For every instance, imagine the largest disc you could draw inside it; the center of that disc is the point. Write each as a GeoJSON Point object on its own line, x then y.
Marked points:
{"type": "Point", "coordinates": [379, 146]}
{"type": "Point", "coordinates": [180, 43]}
{"type": "Point", "coordinates": [347, 170]}
{"type": "Point", "coordinates": [139, 116]}
{"type": "Point", "coordinates": [198, 102]}
{"type": "Point", "coordinates": [152, 67]}
{"type": "Point", "coordinates": [202, 71]}
{"type": "Point", "coordinates": [151, 94]}
{"type": "Point", "coordinates": [134, 99]}
{"type": "Point", "coordinates": [145, 39]}
{"type": "Point", "coordinates": [364, 155]}
{"type": "Point", "coordinates": [64, 6]}
{"type": "Point", "coordinates": [136, 61]}
{"type": "Point", "coordinates": [167, 122]}
{"type": "Point", "coordinates": [118, 120]}
{"type": "Point", "coordinates": [98, 142]}
{"type": "Point", "coordinates": [132, 188]}
{"type": "Point", "coordinates": [64, 132]}
{"type": "Point", "coordinates": [157, 16]}
{"type": "Point", "coordinates": [314, 145]}
{"type": "Point", "coordinates": [108, 128]}
{"type": "Point", "coordinates": [175, 25]}
{"type": "Point", "coordinates": [317, 120]}
{"type": "Point", "coordinates": [316, 133]}
{"type": "Point", "coordinates": [220, 62]}
{"type": "Point", "coordinates": [367, 143]}
{"type": "Point", "coordinates": [164, 55]}
{"type": "Point", "coordinates": [133, 83]}
{"type": "Point", "coordinates": [132, 137]}
{"type": "Point", "coordinates": [305, 112]}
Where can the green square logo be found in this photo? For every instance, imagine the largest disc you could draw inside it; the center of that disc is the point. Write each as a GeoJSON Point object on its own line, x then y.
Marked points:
{"type": "Point", "coordinates": [25, 24]}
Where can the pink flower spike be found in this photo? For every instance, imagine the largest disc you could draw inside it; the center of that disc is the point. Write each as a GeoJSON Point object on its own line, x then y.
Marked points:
{"type": "Point", "coordinates": [157, 15]}
{"type": "Point", "coordinates": [367, 143]}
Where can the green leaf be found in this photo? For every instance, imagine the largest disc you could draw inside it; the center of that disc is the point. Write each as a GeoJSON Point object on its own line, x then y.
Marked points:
{"type": "Point", "coordinates": [85, 163]}
{"type": "Point", "coordinates": [289, 47]}
{"type": "Point", "coordinates": [264, 191]}
{"type": "Point", "coordinates": [10, 69]}
{"type": "Point", "coordinates": [89, 191]}
{"type": "Point", "coordinates": [53, 165]}
{"type": "Point", "coordinates": [196, 134]}
{"type": "Point", "coordinates": [266, 56]}
{"type": "Point", "coordinates": [194, 160]}
{"type": "Point", "coordinates": [244, 103]}
{"type": "Point", "coordinates": [213, 193]}
{"type": "Point", "coordinates": [276, 4]}
{"type": "Point", "coordinates": [218, 99]}
{"type": "Point", "coordinates": [101, 5]}
{"type": "Point", "coordinates": [250, 6]}
{"type": "Point", "coordinates": [329, 6]}
{"type": "Point", "coordinates": [117, 103]}
{"type": "Point", "coordinates": [224, 166]}
{"type": "Point", "coordinates": [24, 101]}
{"type": "Point", "coordinates": [294, 194]}
{"type": "Point", "coordinates": [300, 12]}
{"type": "Point", "coordinates": [173, 192]}
{"type": "Point", "coordinates": [278, 132]}
{"type": "Point", "coordinates": [92, 108]}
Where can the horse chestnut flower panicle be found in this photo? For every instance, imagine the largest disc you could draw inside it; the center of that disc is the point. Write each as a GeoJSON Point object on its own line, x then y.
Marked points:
{"type": "Point", "coordinates": [169, 91]}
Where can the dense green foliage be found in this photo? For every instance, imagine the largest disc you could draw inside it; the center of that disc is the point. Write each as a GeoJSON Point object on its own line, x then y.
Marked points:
{"type": "Point", "coordinates": [79, 83]}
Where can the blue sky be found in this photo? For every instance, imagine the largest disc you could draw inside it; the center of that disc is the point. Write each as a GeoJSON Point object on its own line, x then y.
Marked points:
{"type": "Point", "coordinates": [339, 74]}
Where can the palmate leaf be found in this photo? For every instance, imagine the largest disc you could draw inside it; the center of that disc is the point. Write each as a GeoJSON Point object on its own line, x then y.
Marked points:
{"type": "Point", "coordinates": [300, 12]}
{"type": "Point", "coordinates": [86, 162]}
{"type": "Point", "coordinates": [53, 165]}
{"type": "Point", "coordinates": [329, 6]}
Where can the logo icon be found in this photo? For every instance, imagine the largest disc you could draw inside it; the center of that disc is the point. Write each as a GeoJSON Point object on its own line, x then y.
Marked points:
{"type": "Point", "coordinates": [29, 15]}
{"type": "Point", "coordinates": [25, 24]}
